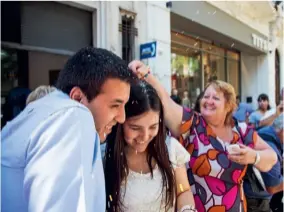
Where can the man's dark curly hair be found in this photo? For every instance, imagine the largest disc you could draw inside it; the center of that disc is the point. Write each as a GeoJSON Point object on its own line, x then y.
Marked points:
{"type": "Point", "coordinates": [89, 68]}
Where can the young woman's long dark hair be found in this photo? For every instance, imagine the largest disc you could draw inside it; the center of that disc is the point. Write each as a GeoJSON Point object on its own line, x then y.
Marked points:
{"type": "Point", "coordinates": [142, 99]}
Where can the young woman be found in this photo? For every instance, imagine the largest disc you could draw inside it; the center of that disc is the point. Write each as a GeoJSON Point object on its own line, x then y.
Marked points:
{"type": "Point", "coordinates": [145, 169]}
{"type": "Point", "coordinates": [263, 107]}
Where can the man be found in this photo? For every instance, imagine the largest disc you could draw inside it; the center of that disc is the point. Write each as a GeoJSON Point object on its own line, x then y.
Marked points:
{"type": "Point", "coordinates": [51, 158]}
{"type": "Point", "coordinates": [175, 96]}
{"type": "Point", "coordinates": [243, 111]}
{"type": "Point", "coordinates": [260, 193]}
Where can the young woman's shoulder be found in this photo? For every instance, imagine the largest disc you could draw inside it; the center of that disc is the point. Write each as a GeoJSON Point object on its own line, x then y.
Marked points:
{"type": "Point", "coordinates": [177, 153]}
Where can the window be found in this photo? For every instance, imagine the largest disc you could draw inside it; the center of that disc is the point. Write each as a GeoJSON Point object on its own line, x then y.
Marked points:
{"type": "Point", "coordinates": [196, 62]}
{"type": "Point", "coordinates": [186, 71]}
{"type": "Point", "coordinates": [233, 74]}
{"type": "Point", "coordinates": [128, 35]}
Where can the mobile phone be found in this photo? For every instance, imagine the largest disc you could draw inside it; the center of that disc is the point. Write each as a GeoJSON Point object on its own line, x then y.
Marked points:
{"type": "Point", "coordinates": [233, 149]}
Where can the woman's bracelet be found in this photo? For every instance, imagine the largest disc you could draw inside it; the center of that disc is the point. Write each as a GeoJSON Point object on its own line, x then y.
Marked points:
{"type": "Point", "coordinates": [188, 208]}
{"type": "Point", "coordinates": [182, 191]}
{"type": "Point", "coordinates": [146, 75]}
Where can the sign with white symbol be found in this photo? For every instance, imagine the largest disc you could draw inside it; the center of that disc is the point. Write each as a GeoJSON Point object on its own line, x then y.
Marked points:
{"type": "Point", "coordinates": [148, 50]}
{"type": "Point", "coordinates": [259, 42]}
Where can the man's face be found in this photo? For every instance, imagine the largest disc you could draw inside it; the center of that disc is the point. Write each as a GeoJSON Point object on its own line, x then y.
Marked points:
{"type": "Point", "coordinates": [238, 101]}
{"type": "Point", "coordinates": [107, 107]}
{"type": "Point", "coordinates": [175, 92]}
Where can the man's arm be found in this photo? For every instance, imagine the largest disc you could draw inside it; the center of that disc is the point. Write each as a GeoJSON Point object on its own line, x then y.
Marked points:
{"type": "Point", "coordinates": [275, 189]}
{"type": "Point", "coordinates": [273, 179]}
{"type": "Point", "coordinates": [59, 152]}
{"type": "Point", "coordinates": [268, 120]}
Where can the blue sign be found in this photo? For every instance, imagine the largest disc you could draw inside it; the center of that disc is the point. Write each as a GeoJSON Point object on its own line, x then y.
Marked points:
{"type": "Point", "coordinates": [148, 50]}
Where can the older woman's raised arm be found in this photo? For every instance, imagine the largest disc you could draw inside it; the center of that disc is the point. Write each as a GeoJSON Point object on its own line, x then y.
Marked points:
{"type": "Point", "coordinates": [172, 111]}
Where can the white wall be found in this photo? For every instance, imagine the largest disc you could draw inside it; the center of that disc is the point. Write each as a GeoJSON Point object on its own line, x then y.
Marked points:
{"type": "Point", "coordinates": [248, 76]}
{"type": "Point", "coordinates": [153, 24]}
{"type": "Point", "coordinates": [159, 29]}
{"type": "Point", "coordinates": [257, 77]}
{"type": "Point", "coordinates": [39, 66]}
{"type": "Point", "coordinates": [242, 10]}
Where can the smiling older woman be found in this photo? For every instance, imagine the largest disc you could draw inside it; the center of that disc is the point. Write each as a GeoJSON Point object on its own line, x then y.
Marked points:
{"type": "Point", "coordinates": [214, 174]}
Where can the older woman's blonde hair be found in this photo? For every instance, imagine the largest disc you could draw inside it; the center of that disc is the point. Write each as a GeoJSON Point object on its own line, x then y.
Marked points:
{"type": "Point", "coordinates": [39, 92]}
{"type": "Point", "coordinates": [230, 97]}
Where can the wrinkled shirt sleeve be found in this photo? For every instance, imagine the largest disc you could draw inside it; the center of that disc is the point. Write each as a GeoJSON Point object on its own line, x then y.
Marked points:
{"type": "Point", "coordinates": [274, 176]}
{"type": "Point", "coordinates": [60, 150]}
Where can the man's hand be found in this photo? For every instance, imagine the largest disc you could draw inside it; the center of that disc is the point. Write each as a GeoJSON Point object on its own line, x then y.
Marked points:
{"type": "Point", "coordinates": [279, 109]}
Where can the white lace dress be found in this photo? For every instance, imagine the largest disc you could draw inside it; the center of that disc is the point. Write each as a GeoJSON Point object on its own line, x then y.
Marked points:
{"type": "Point", "coordinates": [142, 193]}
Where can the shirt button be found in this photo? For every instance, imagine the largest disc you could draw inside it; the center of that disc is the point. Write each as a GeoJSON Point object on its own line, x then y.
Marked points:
{"type": "Point", "coordinates": [93, 176]}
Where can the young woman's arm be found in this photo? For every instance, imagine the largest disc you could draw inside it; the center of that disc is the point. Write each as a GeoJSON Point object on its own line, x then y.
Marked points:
{"type": "Point", "coordinates": [184, 194]}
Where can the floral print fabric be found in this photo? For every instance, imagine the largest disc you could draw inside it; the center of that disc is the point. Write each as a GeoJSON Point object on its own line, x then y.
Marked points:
{"type": "Point", "coordinates": [216, 181]}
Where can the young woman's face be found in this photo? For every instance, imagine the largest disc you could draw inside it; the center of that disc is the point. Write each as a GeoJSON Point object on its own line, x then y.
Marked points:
{"type": "Point", "coordinates": [140, 130]}
{"type": "Point", "coordinates": [263, 104]}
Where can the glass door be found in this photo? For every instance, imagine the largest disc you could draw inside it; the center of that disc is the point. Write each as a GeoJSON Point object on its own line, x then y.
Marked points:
{"type": "Point", "coordinates": [186, 73]}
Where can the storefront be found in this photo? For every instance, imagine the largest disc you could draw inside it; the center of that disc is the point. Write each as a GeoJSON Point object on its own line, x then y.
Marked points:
{"type": "Point", "coordinates": [37, 38]}
{"type": "Point", "coordinates": [196, 62]}
{"type": "Point", "coordinates": [208, 44]}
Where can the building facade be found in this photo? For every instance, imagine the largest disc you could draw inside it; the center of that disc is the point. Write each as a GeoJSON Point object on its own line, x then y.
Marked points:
{"type": "Point", "coordinates": [239, 42]}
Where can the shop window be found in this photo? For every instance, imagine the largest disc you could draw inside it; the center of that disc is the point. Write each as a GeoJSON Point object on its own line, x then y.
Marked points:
{"type": "Point", "coordinates": [128, 30]}
{"type": "Point", "coordinates": [179, 38]}
{"type": "Point", "coordinates": [186, 72]}
{"type": "Point", "coordinates": [212, 49]}
{"type": "Point", "coordinates": [213, 67]}
{"type": "Point", "coordinates": [233, 74]}
{"type": "Point", "coordinates": [233, 55]}
{"type": "Point", "coordinates": [9, 70]}
{"type": "Point", "coordinates": [217, 63]}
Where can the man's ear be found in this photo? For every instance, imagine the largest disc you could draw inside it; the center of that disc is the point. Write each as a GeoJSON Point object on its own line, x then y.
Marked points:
{"type": "Point", "coordinates": [77, 94]}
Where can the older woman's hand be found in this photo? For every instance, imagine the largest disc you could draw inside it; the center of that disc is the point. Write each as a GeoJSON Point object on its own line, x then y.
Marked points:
{"type": "Point", "coordinates": [138, 68]}
{"type": "Point", "coordinates": [244, 156]}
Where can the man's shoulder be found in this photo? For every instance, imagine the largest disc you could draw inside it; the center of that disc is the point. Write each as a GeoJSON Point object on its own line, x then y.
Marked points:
{"type": "Point", "coordinates": [56, 100]}
{"type": "Point", "coordinates": [34, 119]}
{"type": "Point", "coordinates": [267, 133]}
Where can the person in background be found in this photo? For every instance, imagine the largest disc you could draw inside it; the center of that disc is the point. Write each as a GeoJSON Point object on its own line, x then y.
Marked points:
{"type": "Point", "coordinates": [272, 114]}
{"type": "Point", "coordinates": [215, 175]}
{"type": "Point", "coordinates": [263, 107]}
{"type": "Point", "coordinates": [185, 99]}
{"type": "Point", "coordinates": [50, 155]}
{"type": "Point", "coordinates": [243, 110]}
{"type": "Point", "coordinates": [15, 103]}
{"type": "Point", "coordinates": [260, 189]}
{"type": "Point", "coordinates": [39, 92]}
{"type": "Point", "coordinates": [197, 103]}
{"type": "Point", "coordinates": [175, 96]}
{"type": "Point", "coordinates": [149, 165]}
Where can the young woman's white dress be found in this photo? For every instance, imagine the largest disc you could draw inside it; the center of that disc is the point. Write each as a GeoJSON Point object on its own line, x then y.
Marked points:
{"type": "Point", "coordinates": [143, 193]}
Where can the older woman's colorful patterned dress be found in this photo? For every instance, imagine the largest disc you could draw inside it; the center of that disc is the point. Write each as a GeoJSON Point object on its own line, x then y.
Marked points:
{"type": "Point", "coordinates": [216, 181]}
